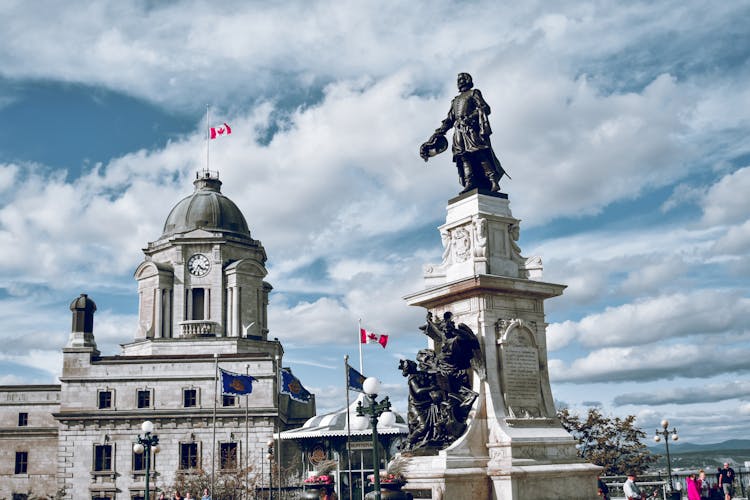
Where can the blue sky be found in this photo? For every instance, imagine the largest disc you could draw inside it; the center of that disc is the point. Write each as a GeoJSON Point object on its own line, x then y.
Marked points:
{"type": "Point", "coordinates": [623, 125]}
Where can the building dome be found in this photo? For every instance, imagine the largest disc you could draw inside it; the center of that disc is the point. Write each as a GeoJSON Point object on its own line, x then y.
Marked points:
{"type": "Point", "coordinates": [206, 209]}
{"type": "Point", "coordinates": [334, 424]}
{"type": "Point", "coordinates": [83, 303]}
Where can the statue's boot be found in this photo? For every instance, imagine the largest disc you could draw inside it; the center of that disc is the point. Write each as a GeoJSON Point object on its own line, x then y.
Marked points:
{"type": "Point", "coordinates": [468, 178]}
{"type": "Point", "coordinates": [495, 188]}
{"type": "Point", "coordinates": [493, 176]}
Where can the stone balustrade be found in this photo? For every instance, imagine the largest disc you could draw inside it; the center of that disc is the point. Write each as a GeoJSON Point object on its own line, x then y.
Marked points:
{"type": "Point", "coordinates": [198, 328]}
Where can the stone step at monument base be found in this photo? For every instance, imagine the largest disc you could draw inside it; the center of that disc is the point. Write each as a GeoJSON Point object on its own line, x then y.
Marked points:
{"type": "Point", "coordinates": [460, 477]}
{"type": "Point", "coordinates": [562, 481]}
{"type": "Point", "coordinates": [437, 477]}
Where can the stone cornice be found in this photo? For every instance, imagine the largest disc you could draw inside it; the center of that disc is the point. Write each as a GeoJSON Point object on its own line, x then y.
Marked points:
{"type": "Point", "coordinates": [145, 414]}
{"type": "Point", "coordinates": [27, 432]}
{"type": "Point", "coordinates": [482, 284]}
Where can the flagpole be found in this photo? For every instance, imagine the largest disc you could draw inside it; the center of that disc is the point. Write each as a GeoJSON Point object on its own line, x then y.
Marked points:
{"type": "Point", "coordinates": [208, 141]}
{"type": "Point", "coordinates": [213, 442]}
{"type": "Point", "coordinates": [278, 425]}
{"type": "Point", "coordinates": [247, 437]}
{"type": "Point", "coordinates": [348, 425]}
{"type": "Point", "coordinates": [359, 332]}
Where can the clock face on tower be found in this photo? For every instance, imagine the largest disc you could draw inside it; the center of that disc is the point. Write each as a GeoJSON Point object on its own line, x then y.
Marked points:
{"type": "Point", "coordinates": [198, 265]}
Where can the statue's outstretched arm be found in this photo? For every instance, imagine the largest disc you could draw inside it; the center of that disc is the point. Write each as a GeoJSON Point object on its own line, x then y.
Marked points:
{"type": "Point", "coordinates": [446, 124]}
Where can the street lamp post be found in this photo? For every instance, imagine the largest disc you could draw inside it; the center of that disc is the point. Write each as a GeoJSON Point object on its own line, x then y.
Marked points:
{"type": "Point", "coordinates": [375, 410]}
{"type": "Point", "coordinates": [665, 433]}
{"type": "Point", "coordinates": [270, 468]}
{"type": "Point", "coordinates": [145, 444]}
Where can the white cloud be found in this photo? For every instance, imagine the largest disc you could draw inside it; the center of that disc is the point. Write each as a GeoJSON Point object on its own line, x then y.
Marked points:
{"type": "Point", "coordinates": [46, 360]}
{"type": "Point", "coordinates": [641, 363]}
{"type": "Point", "coordinates": [8, 174]}
{"type": "Point", "coordinates": [708, 393]}
{"type": "Point", "coordinates": [682, 194]}
{"type": "Point", "coordinates": [637, 244]}
{"type": "Point", "coordinates": [651, 277]}
{"type": "Point", "coordinates": [654, 319]}
{"type": "Point", "coordinates": [550, 122]}
{"type": "Point", "coordinates": [736, 241]}
{"type": "Point", "coordinates": [727, 201]}
{"type": "Point", "coordinates": [326, 317]}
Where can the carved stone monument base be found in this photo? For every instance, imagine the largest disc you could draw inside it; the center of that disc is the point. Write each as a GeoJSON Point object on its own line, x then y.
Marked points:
{"type": "Point", "coordinates": [514, 446]}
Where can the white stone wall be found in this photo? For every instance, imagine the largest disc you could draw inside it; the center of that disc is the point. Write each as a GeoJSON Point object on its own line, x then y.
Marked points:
{"type": "Point", "coordinates": [77, 441]}
{"type": "Point", "coordinates": [83, 425]}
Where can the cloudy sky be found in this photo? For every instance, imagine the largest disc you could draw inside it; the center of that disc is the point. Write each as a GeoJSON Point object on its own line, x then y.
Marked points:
{"type": "Point", "coordinates": [623, 125]}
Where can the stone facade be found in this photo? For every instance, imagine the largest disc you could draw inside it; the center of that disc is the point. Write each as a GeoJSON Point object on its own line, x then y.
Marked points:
{"type": "Point", "coordinates": [202, 306]}
{"type": "Point", "coordinates": [28, 427]}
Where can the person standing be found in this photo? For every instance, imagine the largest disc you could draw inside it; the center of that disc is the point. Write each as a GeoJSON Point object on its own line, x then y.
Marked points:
{"type": "Point", "coordinates": [603, 489]}
{"type": "Point", "coordinates": [693, 492]}
{"type": "Point", "coordinates": [206, 496]}
{"type": "Point", "coordinates": [703, 486]}
{"type": "Point", "coordinates": [631, 490]}
{"type": "Point", "coordinates": [726, 481]}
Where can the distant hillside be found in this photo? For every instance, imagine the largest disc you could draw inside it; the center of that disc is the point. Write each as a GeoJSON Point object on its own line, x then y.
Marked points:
{"type": "Point", "coordinates": [685, 447]}
{"type": "Point", "coordinates": [709, 456]}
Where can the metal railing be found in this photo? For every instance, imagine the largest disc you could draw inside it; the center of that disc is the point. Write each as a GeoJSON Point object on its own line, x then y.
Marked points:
{"type": "Point", "coordinates": [658, 482]}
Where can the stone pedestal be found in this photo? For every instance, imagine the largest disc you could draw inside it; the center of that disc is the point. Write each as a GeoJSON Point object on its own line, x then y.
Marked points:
{"type": "Point", "coordinates": [515, 447]}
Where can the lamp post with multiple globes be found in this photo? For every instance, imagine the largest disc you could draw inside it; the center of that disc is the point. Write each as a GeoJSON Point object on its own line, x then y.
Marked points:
{"type": "Point", "coordinates": [379, 413]}
{"type": "Point", "coordinates": [665, 433]}
{"type": "Point", "coordinates": [145, 444]}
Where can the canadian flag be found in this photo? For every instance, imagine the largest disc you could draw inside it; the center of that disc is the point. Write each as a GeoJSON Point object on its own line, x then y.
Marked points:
{"type": "Point", "coordinates": [366, 337]}
{"type": "Point", "coordinates": [219, 131]}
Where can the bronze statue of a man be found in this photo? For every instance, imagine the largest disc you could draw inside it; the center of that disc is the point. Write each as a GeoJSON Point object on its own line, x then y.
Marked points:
{"type": "Point", "coordinates": [477, 165]}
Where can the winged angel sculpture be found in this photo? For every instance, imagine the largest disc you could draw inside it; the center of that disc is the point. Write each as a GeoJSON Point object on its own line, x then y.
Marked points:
{"type": "Point", "coordinates": [440, 394]}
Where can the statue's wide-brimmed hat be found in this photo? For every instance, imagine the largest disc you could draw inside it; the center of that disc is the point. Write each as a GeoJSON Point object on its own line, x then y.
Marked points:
{"type": "Point", "coordinates": [434, 146]}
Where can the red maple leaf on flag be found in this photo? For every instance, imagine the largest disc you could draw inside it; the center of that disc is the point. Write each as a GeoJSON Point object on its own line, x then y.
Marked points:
{"type": "Point", "coordinates": [219, 131]}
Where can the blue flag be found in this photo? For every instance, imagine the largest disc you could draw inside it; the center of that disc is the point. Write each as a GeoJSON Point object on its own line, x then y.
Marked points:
{"type": "Point", "coordinates": [234, 383]}
{"type": "Point", "coordinates": [293, 387]}
{"type": "Point", "coordinates": [354, 379]}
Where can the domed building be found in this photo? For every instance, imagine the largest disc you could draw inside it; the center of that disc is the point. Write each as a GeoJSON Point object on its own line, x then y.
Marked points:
{"type": "Point", "coordinates": [202, 311]}
{"type": "Point", "coordinates": [204, 275]}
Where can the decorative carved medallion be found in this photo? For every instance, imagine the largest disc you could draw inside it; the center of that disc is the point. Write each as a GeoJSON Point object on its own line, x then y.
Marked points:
{"type": "Point", "coordinates": [461, 239]}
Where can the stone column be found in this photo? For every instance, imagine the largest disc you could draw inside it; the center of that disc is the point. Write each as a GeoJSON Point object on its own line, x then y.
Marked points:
{"type": "Point", "coordinates": [229, 327]}
{"type": "Point", "coordinates": [167, 313]}
{"type": "Point", "coordinates": [189, 304]}
{"type": "Point", "coordinates": [238, 329]}
{"type": "Point", "coordinates": [158, 313]}
{"type": "Point", "coordinates": [206, 304]}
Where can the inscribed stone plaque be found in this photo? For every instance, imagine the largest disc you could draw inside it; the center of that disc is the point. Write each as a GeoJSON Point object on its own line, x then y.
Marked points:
{"type": "Point", "coordinates": [520, 374]}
